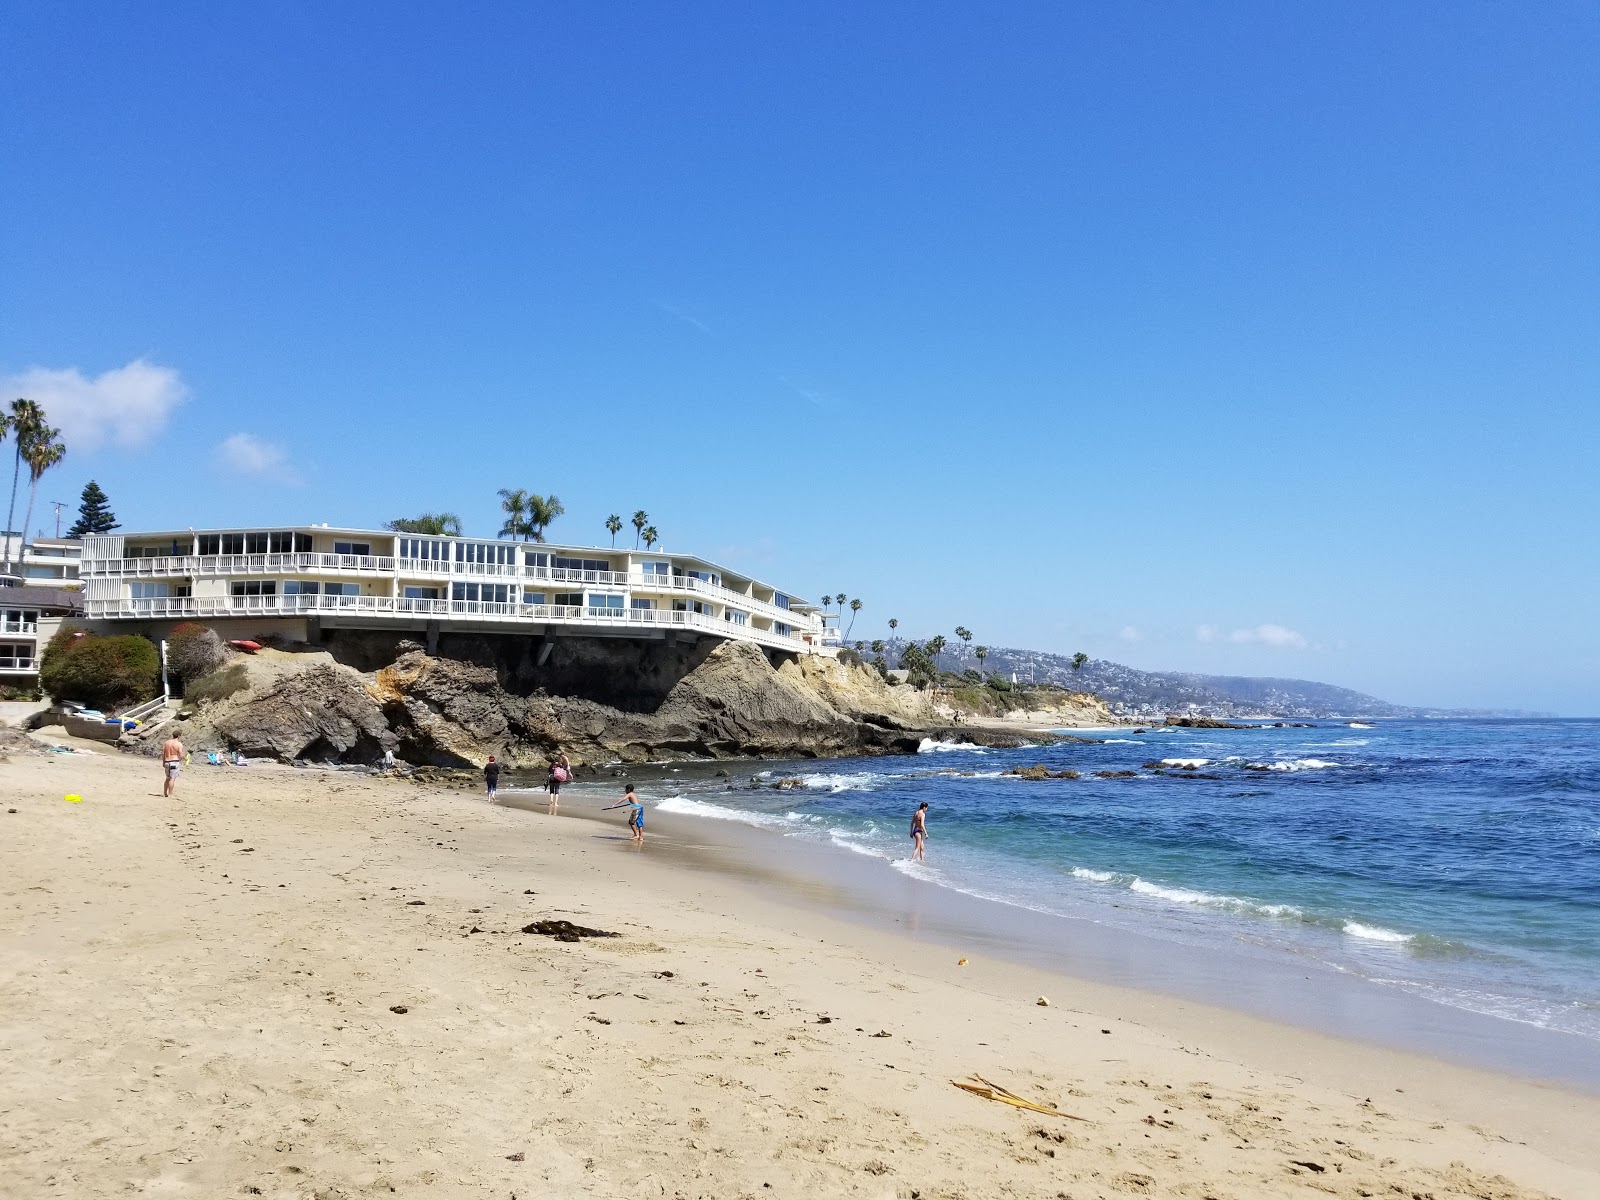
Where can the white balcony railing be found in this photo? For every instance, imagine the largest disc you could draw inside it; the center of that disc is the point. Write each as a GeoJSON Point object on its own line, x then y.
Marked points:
{"type": "Point", "coordinates": [186, 607]}
{"type": "Point", "coordinates": [20, 627]}
{"type": "Point", "coordinates": [18, 666]}
{"type": "Point", "coordinates": [234, 564]}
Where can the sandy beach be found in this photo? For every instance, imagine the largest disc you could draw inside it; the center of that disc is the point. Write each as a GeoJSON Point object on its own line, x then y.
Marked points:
{"type": "Point", "coordinates": [289, 983]}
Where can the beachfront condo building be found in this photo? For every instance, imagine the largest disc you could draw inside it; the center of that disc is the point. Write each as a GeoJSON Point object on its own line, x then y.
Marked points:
{"type": "Point", "coordinates": [42, 562]}
{"type": "Point", "coordinates": [29, 618]}
{"type": "Point", "coordinates": [296, 583]}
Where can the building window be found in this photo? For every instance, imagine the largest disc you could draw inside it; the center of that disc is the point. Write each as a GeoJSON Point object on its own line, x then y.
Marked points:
{"type": "Point", "coordinates": [149, 591]}
{"type": "Point", "coordinates": [341, 589]}
{"type": "Point", "coordinates": [533, 598]}
{"type": "Point", "coordinates": [536, 558]}
{"type": "Point", "coordinates": [710, 577]}
{"type": "Point", "coordinates": [641, 602]}
{"type": "Point", "coordinates": [570, 599]}
{"type": "Point", "coordinates": [779, 600]}
{"type": "Point", "coordinates": [303, 587]}
{"type": "Point", "coordinates": [601, 600]}
{"type": "Point", "coordinates": [734, 615]}
{"type": "Point", "coordinates": [580, 564]}
{"type": "Point", "coordinates": [486, 552]}
{"type": "Point", "coordinates": [425, 548]}
{"type": "Point", "coordinates": [21, 620]}
{"type": "Point", "coordinates": [781, 629]}
{"type": "Point", "coordinates": [255, 587]}
{"type": "Point", "coordinates": [656, 568]}
{"type": "Point", "coordinates": [362, 548]}
{"type": "Point", "coordinates": [487, 593]}
{"type": "Point", "coordinates": [15, 658]}
{"type": "Point", "coordinates": [421, 593]}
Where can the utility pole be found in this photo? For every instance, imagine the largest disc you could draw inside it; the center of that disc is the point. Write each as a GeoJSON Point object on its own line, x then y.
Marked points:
{"type": "Point", "coordinates": [60, 504]}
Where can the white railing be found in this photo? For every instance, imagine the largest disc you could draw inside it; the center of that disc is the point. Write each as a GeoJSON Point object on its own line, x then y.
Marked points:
{"type": "Point", "coordinates": [180, 607]}
{"type": "Point", "coordinates": [723, 595]}
{"type": "Point", "coordinates": [235, 564]}
{"type": "Point", "coordinates": [18, 665]}
{"type": "Point", "coordinates": [574, 575]}
{"type": "Point", "coordinates": [20, 627]}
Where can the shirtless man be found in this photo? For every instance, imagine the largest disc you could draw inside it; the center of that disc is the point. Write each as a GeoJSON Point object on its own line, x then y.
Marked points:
{"type": "Point", "coordinates": [172, 756]}
{"type": "Point", "coordinates": [919, 831]}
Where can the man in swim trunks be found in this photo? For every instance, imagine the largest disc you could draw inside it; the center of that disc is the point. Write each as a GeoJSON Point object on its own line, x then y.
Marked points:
{"type": "Point", "coordinates": [919, 831]}
{"type": "Point", "coordinates": [635, 818]}
{"type": "Point", "coordinates": [172, 756]}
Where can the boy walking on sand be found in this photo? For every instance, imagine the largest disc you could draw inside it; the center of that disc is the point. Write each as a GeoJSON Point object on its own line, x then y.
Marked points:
{"type": "Point", "coordinates": [172, 756]}
{"type": "Point", "coordinates": [919, 831]}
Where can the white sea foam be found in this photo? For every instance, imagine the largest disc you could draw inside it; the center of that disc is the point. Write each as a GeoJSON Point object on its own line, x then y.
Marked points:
{"type": "Point", "coordinates": [1295, 764]}
{"type": "Point", "coordinates": [1374, 933]}
{"type": "Point", "coordinates": [841, 783]}
{"type": "Point", "coordinates": [1360, 725]}
{"type": "Point", "coordinates": [1097, 876]}
{"type": "Point", "coordinates": [1177, 895]}
{"type": "Point", "coordinates": [935, 746]}
{"type": "Point", "coordinates": [699, 808]}
{"type": "Point", "coordinates": [1123, 742]}
{"type": "Point", "coordinates": [840, 838]}
{"type": "Point", "coordinates": [1192, 764]}
{"type": "Point", "coordinates": [918, 871]}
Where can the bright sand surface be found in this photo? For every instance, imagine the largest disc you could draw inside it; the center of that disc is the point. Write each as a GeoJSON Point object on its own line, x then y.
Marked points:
{"type": "Point", "coordinates": [196, 999]}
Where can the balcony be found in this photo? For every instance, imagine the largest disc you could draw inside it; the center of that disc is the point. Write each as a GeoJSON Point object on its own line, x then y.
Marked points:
{"type": "Point", "coordinates": [402, 608]}
{"type": "Point", "coordinates": [18, 665]}
{"type": "Point", "coordinates": [233, 564]}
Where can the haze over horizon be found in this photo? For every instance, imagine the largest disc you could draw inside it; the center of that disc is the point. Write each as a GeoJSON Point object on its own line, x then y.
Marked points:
{"type": "Point", "coordinates": [1257, 341]}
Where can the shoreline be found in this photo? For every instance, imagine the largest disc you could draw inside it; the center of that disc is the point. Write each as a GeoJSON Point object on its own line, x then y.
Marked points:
{"type": "Point", "coordinates": [875, 894]}
{"type": "Point", "coordinates": [203, 996]}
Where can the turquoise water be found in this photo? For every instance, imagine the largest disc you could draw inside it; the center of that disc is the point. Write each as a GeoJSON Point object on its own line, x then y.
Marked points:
{"type": "Point", "coordinates": [1458, 861]}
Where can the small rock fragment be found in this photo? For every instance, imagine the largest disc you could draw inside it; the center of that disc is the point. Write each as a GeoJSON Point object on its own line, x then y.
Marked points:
{"type": "Point", "coordinates": [399, 1008]}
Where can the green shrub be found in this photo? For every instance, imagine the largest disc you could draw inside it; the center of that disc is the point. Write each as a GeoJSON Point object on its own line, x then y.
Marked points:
{"type": "Point", "coordinates": [104, 672]}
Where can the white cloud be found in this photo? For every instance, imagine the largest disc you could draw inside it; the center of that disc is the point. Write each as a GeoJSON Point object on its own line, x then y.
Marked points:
{"type": "Point", "coordinates": [1130, 634]}
{"type": "Point", "coordinates": [126, 406]}
{"type": "Point", "coordinates": [1205, 633]}
{"type": "Point", "coordinates": [1269, 635]}
{"type": "Point", "coordinates": [247, 454]}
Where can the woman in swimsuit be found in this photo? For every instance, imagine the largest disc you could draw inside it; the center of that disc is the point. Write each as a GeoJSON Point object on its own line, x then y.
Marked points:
{"type": "Point", "coordinates": [635, 818]}
{"type": "Point", "coordinates": [919, 831]}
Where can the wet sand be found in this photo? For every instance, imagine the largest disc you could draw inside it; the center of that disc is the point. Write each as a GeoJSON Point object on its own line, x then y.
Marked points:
{"type": "Point", "coordinates": [198, 998]}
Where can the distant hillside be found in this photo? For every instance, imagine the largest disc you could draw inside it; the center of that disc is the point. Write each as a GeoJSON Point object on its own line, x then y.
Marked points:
{"type": "Point", "coordinates": [1131, 692]}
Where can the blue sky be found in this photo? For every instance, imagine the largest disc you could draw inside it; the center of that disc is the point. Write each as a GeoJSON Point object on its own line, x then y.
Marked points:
{"type": "Point", "coordinates": [1255, 338]}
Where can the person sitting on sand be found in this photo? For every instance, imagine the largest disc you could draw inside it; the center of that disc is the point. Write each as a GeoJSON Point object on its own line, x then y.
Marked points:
{"type": "Point", "coordinates": [491, 778]}
{"type": "Point", "coordinates": [172, 756]}
{"type": "Point", "coordinates": [635, 818]}
{"type": "Point", "coordinates": [919, 831]}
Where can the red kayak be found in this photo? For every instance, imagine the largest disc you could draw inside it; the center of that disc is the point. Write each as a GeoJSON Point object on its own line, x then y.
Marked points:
{"type": "Point", "coordinates": [247, 647]}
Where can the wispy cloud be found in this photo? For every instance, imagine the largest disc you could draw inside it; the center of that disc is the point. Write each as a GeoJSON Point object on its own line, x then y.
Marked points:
{"type": "Point", "coordinates": [1262, 635]}
{"type": "Point", "coordinates": [246, 454]}
{"type": "Point", "coordinates": [688, 318]}
{"type": "Point", "coordinates": [126, 406]}
{"type": "Point", "coordinates": [1130, 634]}
{"type": "Point", "coordinates": [819, 398]}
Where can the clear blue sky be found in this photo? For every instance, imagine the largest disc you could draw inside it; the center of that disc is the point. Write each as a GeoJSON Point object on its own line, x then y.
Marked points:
{"type": "Point", "coordinates": [1256, 338]}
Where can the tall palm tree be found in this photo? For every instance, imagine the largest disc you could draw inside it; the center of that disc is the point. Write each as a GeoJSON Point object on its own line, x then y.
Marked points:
{"type": "Point", "coordinates": [1078, 660]}
{"type": "Point", "coordinates": [651, 537]}
{"type": "Point", "coordinates": [855, 607]}
{"type": "Point", "coordinates": [514, 503]}
{"type": "Point", "coordinates": [839, 600]}
{"type": "Point", "coordinates": [982, 652]}
{"type": "Point", "coordinates": [613, 527]}
{"type": "Point", "coordinates": [640, 520]}
{"type": "Point", "coordinates": [965, 635]}
{"type": "Point", "coordinates": [26, 419]}
{"type": "Point", "coordinates": [894, 623]}
{"type": "Point", "coordinates": [44, 451]}
{"type": "Point", "coordinates": [541, 511]}
{"type": "Point", "coordinates": [936, 645]}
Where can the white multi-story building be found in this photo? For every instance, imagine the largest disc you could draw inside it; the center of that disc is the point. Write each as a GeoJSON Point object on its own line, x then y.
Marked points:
{"type": "Point", "coordinates": [296, 582]}
{"type": "Point", "coordinates": [43, 562]}
{"type": "Point", "coordinates": [29, 618]}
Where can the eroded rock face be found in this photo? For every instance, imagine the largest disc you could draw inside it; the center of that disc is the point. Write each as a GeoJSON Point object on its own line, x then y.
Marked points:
{"type": "Point", "coordinates": [450, 712]}
{"type": "Point", "coordinates": [320, 713]}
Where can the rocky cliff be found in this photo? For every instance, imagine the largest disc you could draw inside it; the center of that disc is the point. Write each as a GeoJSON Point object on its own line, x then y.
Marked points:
{"type": "Point", "coordinates": [729, 701]}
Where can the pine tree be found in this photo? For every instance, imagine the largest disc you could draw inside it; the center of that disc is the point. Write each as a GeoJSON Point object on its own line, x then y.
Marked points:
{"type": "Point", "coordinates": [94, 512]}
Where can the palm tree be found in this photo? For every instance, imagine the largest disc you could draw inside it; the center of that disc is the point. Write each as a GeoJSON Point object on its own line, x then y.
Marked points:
{"type": "Point", "coordinates": [640, 520]}
{"type": "Point", "coordinates": [855, 607]}
{"type": "Point", "coordinates": [651, 537]}
{"type": "Point", "coordinates": [613, 527]}
{"type": "Point", "coordinates": [541, 511]}
{"type": "Point", "coordinates": [1078, 660]}
{"type": "Point", "coordinates": [877, 646]}
{"type": "Point", "coordinates": [982, 652]}
{"type": "Point", "coordinates": [442, 524]}
{"type": "Point", "coordinates": [964, 634]}
{"type": "Point", "coordinates": [44, 451]}
{"type": "Point", "coordinates": [894, 623]}
{"type": "Point", "coordinates": [936, 645]}
{"type": "Point", "coordinates": [839, 600]}
{"type": "Point", "coordinates": [514, 503]}
{"type": "Point", "coordinates": [25, 420]}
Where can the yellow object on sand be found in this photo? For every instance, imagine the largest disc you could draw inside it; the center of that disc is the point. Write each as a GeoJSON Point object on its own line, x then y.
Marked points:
{"type": "Point", "coordinates": [993, 1091]}
{"type": "Point", "coordinates": [73, 798]}
{"type": "Point", "coordinates": [961, 962]}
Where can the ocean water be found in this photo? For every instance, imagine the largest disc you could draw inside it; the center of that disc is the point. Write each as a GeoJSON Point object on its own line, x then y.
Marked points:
{"type": "Point", "coordinates": [1458, 861]}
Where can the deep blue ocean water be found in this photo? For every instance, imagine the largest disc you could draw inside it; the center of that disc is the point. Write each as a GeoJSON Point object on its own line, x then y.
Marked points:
{"type": "Point", "coordinates": [1457, 860]}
